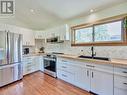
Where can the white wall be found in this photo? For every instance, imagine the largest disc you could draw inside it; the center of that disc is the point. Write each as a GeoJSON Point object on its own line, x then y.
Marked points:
{"type": "Point", "coordinates": [107, 51]}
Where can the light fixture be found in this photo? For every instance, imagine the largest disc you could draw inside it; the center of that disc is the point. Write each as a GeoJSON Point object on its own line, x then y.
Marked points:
{"type": "Point", "coordinates": [31, 10]}
{"type": "Point", "coordinates": [91, 10]}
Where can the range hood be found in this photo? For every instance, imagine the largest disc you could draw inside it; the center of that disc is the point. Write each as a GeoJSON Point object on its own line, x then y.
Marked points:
{"type": "Point", "coordinates": [54, 40]}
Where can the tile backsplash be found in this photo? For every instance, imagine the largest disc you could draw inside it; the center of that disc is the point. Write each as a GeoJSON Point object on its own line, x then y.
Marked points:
{"type": "Point", "coordinates": [105, 51]}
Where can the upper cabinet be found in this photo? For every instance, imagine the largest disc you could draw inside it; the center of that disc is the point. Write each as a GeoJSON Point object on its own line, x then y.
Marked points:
{"type": "Point", "coordinates": [60, 31]}
{"type": "Point", "coordinates": [28, 35]}
{"type": "Point", "coordinates": [64, 32]}
{"type": "Point", "coordinates": [39, 34]}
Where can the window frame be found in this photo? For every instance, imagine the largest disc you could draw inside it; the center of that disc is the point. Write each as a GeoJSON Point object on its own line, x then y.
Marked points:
{"type": "Point", "coordinates": [101, 43]}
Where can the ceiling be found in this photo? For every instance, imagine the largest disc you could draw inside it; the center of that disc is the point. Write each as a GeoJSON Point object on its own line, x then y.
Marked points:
{"type": "Point", "coordinates": [41, 14]}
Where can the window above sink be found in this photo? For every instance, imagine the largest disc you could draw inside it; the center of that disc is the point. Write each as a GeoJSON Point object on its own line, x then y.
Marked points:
{"type": "Point", "coordinates": [106, 32]}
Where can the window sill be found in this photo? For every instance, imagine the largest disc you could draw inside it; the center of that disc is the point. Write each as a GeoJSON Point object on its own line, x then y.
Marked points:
{"type": "Point", "coordinates": [101, 44]}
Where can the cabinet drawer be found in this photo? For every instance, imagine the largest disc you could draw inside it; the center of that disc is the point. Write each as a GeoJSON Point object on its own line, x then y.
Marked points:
{"type": "Point", "coordinates": [68, 77]}
{"type": "Point", "coordinates": [120, 71]}
{"type": "Point", "coordinates": [118, 91]}
{"type": "Point", "coordinates": [120, 82]}
{"type": "Point", "coordinates": [68, 68]}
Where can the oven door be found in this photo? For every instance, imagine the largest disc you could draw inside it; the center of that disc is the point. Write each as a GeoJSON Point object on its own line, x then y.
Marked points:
{"type": "Point", "coordinates": [50, 66]}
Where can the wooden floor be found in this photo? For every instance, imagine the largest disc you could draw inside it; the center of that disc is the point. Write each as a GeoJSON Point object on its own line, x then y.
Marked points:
{"type": "Point", "coordinates": [41, 84]}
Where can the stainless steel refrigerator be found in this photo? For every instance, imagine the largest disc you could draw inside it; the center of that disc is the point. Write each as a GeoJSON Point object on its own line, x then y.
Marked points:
{"type": "Point", "coordinates": [10, 57]}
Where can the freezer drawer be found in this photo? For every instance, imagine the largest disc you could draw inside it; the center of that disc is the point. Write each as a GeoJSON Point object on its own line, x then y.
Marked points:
{"type": "Point", "coordinates": [9, 74]}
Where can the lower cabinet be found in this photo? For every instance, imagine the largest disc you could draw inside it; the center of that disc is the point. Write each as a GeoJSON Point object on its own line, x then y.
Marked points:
{"type": "Point", "coordinates": [120, 81]}
{"type": "Point", "coordinates": [66, 76]}
{"type": "Point", "coordinates": [101, 82]}
{"type": "Point", "coordinates": [32, 64]}
{"type": "Point", "coordinates": [82, 78]}
{"type": "Point", "coordinates": [90, 78]}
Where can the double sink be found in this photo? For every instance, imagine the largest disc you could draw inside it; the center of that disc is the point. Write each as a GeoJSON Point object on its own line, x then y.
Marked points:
{"type": "Point", "coordinates": [98, 58]}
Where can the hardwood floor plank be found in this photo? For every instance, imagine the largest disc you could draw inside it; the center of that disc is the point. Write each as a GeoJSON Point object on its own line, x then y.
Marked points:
{"type": "Point", "coordinates": [41, 84]}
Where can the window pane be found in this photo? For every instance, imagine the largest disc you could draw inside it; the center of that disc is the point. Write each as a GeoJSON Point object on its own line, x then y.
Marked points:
{"type": "Point", "coordinates": [83, 35]}
{"type": "Point", "coordinates": [109, 32]}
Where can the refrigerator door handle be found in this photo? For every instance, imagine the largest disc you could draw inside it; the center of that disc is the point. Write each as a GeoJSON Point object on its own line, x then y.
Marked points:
{"type": "Point", "coordinates": [14, 47]}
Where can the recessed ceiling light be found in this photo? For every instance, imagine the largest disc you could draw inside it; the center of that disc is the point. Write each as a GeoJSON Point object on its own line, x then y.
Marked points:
{"type": "Point", "coordinates": [31, 10]}
{"type": "Point", "coordinates": [91, 10]}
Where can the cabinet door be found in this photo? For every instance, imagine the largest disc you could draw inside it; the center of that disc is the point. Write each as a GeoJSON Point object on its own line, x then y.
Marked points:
{"type": "Point", "coordinates": [37, 63]}
{"type": "Point", "coordinates": [0, 77]}
{"type": "Point", "coordinates": [101, 82]}
{"type": "Point", "coordinates": [120, 85]}
{"type": "Point", "coordinates": [40, 35]}
{"type": "Point", "coordinates": [64, 32]}
{"type": "Point", "coordinates": [66, 76]}
{"type": "Point", "coordinates": [3, 27]}
{"type": "Point", "coordinates": [82, 78]}
{"type": "Point", "coordinates": [28, 37]}
{"type": "Point", "coordinates": [31, 38]}
{"type": "Point", "coordinates": [41, 63]}
{"type": "Point", "coordinates": [118, 91]}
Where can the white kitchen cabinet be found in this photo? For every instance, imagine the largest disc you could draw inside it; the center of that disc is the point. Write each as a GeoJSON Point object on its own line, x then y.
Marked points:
{"type": "Point", "coordinates": [101, 82]}
{"type": "Point", "coordinates": [92, 77]}
{"type": "Point", "coordinates": [62, 31]}
{"type": "Point", "coordinates": [13, 29]}
{"type": "Point", "coordinates": [79, 75]}
{"type": "Point", "coordinates": [28, 37]}
{"type": "Point", "coordinates": [65, 70]}
{"type": "Point", "coordinates": [40, 34]}
{"type": "Point", "coordinates": [29, 65]}
{"type": "Point", "coordinates": [3, 27]}
{"type": "Point", "coordinates": [39, 63]}
{"type": "Point", "coordinates": [66, 76]}
{"type": "Point", "coordinates": [0, 77]}
{"type": "Point", "coordinates": [120, 85]}
{"type": "Point", "coordinates": [120, 80]}
{"type": "Point", "coordinates": [82, 78]}
{"type": "Point", "coordinates": [32, 64]}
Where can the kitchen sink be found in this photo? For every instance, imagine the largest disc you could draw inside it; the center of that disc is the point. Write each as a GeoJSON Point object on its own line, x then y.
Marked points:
{"type": "Point", "coordinates": [98, 58]}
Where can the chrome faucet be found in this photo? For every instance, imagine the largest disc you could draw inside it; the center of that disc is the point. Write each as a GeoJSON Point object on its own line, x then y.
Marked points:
{"type": "Point", "coordinates": [92, 52]}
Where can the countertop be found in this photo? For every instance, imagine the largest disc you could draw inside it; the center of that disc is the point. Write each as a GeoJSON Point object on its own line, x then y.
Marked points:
{"type": "Point", "coordinates": [33, 54]}
{"type": "Point", "coordinates": [116, 62]}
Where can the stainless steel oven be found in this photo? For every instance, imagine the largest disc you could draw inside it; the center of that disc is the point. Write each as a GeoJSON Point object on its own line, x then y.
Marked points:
{"type": "Point", "coordinates": [50, 65]}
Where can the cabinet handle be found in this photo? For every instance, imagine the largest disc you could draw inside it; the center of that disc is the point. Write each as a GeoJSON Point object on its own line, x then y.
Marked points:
{"type": "Point", "coordinates": [64, 61]}
{"type": "Point", "coordinates": [90, 66]}
{"type": "Point", "coordinates": [125, 72]}
{"type": "Point", "coordinates": [125, 83]}
{"type": "Point", "coordinates": [87, 73]}
{"type": "Point", "coordinates": [64, 75]}
{"type": "Point", "coordinates": [92, 75]}
{"type": "Point", "coordinates": [64, 67]}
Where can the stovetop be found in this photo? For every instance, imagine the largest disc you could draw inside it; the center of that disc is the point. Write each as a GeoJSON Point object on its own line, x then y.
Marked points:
{"type": "Point", "coordinates": [57, 53]}
{"type": "Point", "coordinates": [53, 54]}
